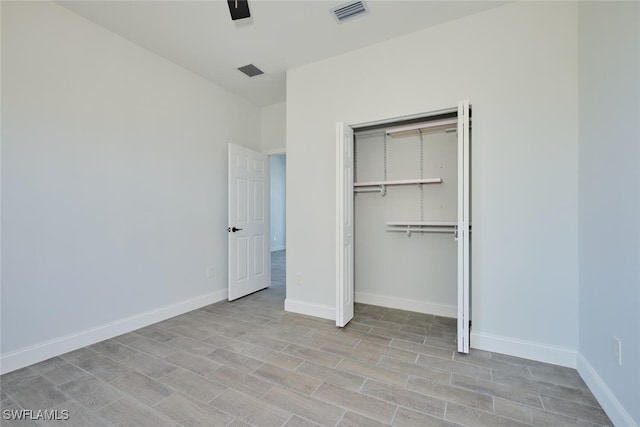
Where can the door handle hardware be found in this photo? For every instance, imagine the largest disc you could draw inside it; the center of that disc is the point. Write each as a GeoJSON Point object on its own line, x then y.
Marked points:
{"type": "Point", "coordinates": [233, 229]}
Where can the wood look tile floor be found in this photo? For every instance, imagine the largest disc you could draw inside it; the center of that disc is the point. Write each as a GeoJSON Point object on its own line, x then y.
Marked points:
{"type": "Point", "coordinates": [248, 362]}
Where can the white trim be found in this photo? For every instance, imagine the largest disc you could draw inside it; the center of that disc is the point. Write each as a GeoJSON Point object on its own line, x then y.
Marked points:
{"type": "Point", "coordinates": [611, 405]}
{"type": "Point", "coordinates": [526, 349]}
{"type": "Point", "coordinates": [403, 118]}
{"type": "Point", "coordinates": [425, 125]}
{"type": "Point", "coordinates": [427, 307]}
{"type": "Point", "coordinates": [275, 151]}
{"type": "Point", "coordinates": [310, 309]}
{"type": "Point", "coordinates": [278, 248]}
{"type": "Point", "coordinates": [38, 352]}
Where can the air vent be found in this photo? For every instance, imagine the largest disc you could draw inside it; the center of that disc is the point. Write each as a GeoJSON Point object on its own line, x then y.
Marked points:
{"type": "Point", "coordinates": [251, 70]}
{"type": "Point", "coordinates": [348, 11]}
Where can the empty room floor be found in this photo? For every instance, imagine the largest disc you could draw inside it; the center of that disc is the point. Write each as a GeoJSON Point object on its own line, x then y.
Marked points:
{"type": "Point", "coordinates": [248, 362]}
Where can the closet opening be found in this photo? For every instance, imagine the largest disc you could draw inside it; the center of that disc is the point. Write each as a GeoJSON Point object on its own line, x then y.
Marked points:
{"type": "Point", "coordinates": [408, 243]}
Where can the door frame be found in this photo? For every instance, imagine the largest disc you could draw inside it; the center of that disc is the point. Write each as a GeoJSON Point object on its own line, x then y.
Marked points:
{"type": "Point", "coordinates": [464, 216]}
{"type": "Point", "coordinates": [272, 153]}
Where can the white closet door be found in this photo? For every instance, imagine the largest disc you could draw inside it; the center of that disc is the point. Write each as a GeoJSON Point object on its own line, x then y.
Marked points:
{"type": "Point", "coordinates": [464, 248]}
{"type": "Point", "coordinates": [344, 226]}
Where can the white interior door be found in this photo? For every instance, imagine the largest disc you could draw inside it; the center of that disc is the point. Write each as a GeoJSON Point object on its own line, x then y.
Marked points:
{"type": "Point", "coordinates": [249, 254]}
{"type": "Point", "coordinates": [344, 226]}
{"type": "Point", "coordinates": [464, 244]}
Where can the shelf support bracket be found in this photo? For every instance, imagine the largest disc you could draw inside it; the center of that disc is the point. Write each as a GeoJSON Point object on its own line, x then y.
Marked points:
{"type": "Point", "coordinates": [383, 190]}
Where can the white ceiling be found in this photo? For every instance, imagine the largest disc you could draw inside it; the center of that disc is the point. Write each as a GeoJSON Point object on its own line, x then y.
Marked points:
{"type": "Point", "coordinates": [280, 35]}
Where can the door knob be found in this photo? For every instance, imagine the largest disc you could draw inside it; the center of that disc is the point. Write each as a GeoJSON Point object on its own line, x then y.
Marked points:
{"type": "Point", "coordinates": [234, 229]}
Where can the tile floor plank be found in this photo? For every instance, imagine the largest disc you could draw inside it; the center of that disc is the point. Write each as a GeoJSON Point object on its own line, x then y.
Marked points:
{"type": "Point", "coordinates": [241, 381]}
{"type": "Point", "coordinates": [250, 410]}
{"type": "Point", "coordinates": [405, 398]}
{"type": "Point", "coordinates": [408, 418]}
{"type": "Point", "coordinates": [470, 417]}
{"type": "Point", "coordinates": [142, 388]}
{"type": "Point", "coordinates": [129, 412]}
{"type": "Point", "coordinates": [332, 376]}
{"type": "Point", "coordinates": [293, 380]}
{"type": "Point", "coordinates": [450, 393]}
{"type": "Point", "coordinates": [362, 404]}
{"type": "Point", "coordinates": [36, 394]}
{"type": "Point", "coordinates": [91, 392]}
{"type": "Point", "coordinates": [194, 385]}
{"type": "Point", "coordinates": [304, 406]}
{"type": "Point", "coordinates": [192, 413]}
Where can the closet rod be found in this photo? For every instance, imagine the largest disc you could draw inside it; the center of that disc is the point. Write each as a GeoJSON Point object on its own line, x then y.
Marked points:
{"type": "Point", "coordinates": [409, 230]}
{"type": "Point", "coordinates": [422, 230]}
{"type": "Point", "coordinates": [422, 223]}
{"type": "Point", "coordinates": [399, 182]}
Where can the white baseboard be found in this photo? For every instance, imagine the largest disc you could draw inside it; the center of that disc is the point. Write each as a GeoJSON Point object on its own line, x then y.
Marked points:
{"type": "Point", "coordinates": [407, 304]}
{"type": "Point", "coordinates": [526, 349]}
{"type": "Point", "coordinates": [278, 248]}
{"type": "Point", "coordinates": [316, 310]}
{"type": "Point", "coordinates": [611, 405]}
{"type": "Point", "coordinates": [37, 353]}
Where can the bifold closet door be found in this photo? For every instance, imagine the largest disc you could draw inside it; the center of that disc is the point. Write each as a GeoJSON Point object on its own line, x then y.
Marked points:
{"type": "Point", "coordinates": [344, 228]}
{"type": "Point", "coordinates": [464, 244]}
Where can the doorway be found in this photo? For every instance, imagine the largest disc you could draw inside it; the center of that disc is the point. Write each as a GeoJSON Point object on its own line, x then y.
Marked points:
{"type": "Point", "coordinates": [278, 239]}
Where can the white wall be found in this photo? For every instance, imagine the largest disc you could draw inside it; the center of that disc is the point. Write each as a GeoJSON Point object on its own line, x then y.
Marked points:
{"type": "Point", "coordinates": [517, 64]}
{"type": "Point", "coordinates": [113, 183]}
{"type": "Point", "coordinates": [278, 170]}
{"type": "Point", "coordinates": [609, 183]}
{"type": "Point", "coordinates": [422, 267]}
{"type": "Point", "coordinates": [273, 128]}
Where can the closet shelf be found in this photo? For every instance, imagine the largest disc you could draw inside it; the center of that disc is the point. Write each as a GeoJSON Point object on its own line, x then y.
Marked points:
{"type": "Point", "coordinates": [399, 182]}
{"type": "Point", "coordinates": [424, 227]}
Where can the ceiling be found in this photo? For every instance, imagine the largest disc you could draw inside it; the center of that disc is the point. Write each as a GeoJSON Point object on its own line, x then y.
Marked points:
{"type": "Point", "coordinates": [280, 35]}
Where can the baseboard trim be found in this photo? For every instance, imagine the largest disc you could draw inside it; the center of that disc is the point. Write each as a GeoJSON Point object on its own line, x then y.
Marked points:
{"type": "Point", "coordinates": [603, 394]}
{"type": "Point", "coordinates": [526, 349]}
{"type": "Point", "coordinates": [278, 248]}
{"type": "Point", "coordinates": [315, 310]}
{"type": "Point", "coordinates": [407, 304]}
{"type": "Point", "coordinates": [42, 351]}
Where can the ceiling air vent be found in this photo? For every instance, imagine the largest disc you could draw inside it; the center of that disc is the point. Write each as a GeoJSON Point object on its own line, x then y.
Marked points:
{"type": "Point", "coordinates": [251, 70]}
{"type": "Point", "coordinates": [349, 11]}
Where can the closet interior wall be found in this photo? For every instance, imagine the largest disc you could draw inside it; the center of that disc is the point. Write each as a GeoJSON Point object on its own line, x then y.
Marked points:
{"type": "Point", "coordinates": [393, 269]}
